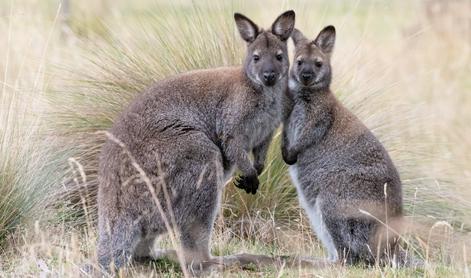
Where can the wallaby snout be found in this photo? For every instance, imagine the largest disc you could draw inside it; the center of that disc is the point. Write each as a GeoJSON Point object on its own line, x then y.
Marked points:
{"type": "Point", "coordinates": [307, 76]}
{"type": "Point", "coordinates": [269, 77]}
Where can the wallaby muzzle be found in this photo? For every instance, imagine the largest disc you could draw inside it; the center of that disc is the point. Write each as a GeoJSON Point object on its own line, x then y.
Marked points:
{"type": "Point", "coordinates": [269, 78]}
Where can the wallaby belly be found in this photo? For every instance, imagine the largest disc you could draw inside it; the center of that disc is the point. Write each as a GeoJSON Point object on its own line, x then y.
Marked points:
{"type": "Point", "coordinates": [314, 213]}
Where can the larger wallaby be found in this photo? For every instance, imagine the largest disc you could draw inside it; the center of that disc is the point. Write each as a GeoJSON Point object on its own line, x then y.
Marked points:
{"type": "Point", "coordinates": [184, 136]}
{"type": "Point", "coordinates": [345, 179]}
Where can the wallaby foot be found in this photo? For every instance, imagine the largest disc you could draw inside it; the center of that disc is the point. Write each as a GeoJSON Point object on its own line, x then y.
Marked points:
{"type": "Point", "coordinates": [116, 246]}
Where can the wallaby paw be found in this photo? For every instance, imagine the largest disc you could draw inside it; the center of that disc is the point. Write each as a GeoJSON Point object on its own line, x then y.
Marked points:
{"type": "Point", "coordinates": [290, 159]}
{"type": "Point", "coordinates": [248, 183]}
{"type": "Point", "coordinates": [259, 168]}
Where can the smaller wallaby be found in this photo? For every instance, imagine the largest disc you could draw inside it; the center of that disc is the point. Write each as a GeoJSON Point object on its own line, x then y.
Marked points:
{"type": "Point", "coordinates": [346, 181]}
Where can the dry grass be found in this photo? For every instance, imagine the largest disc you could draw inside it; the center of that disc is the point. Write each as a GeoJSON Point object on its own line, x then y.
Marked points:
{"type": "Point", "coordinates": [402, 67]}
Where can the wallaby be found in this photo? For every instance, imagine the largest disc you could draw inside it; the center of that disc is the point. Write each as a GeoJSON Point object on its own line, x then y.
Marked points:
{"type": "Point", "coordinates": [345, 179]}
{"type": "Point", "coordinates": [184, 136]}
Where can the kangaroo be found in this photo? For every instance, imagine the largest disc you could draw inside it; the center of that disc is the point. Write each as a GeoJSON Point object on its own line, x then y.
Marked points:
{"type": "Point", "coordinates": [178, 142]}
{"type": "Point", "coordinates": [338, 166]}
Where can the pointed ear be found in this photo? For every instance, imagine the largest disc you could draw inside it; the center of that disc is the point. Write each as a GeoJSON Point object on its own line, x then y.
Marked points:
{"type": "Point", "coordinates": [284, 25]}
{"type": "Point", "coordinates": [247, 29]}
{"type": "Point", "coordinates": [326, 39]}
{"type": "Point", "coordinates": [297, 36]}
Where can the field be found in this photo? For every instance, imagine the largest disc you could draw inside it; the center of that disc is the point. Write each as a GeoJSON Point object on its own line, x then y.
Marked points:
{"type": "Point", "coordinates": [66, 71]}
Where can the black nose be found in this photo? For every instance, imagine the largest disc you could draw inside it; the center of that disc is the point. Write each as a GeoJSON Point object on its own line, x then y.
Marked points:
{"type": "Point", "coordinates": [307, 76]}
{"type": "Point", "coordinates": [269, 76]}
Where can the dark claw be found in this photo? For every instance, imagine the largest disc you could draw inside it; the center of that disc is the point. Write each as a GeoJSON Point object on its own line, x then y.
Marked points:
{"type": "Point", "coordinates": [248, 183]}
{"type": "Point", "coordinates": [239, 183]}
{"type": "Point", "coordinates": [289, 158]}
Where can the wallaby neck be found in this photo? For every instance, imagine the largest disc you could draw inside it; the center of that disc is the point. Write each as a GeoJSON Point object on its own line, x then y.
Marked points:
{"type": "Point", "coordinates": [308, 94]}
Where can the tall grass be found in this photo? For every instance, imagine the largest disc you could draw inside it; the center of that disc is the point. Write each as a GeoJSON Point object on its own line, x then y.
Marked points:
{"type": "Point", "coordinates": [30, 167]}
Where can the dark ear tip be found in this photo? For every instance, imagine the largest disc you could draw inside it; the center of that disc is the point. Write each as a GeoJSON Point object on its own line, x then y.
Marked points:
{"type": "Point", "coordinates": [330, 28]}
{"type": "Point", "coordinates": [238, 15]}
{"type": "Point", "coordinates": [289, 13]}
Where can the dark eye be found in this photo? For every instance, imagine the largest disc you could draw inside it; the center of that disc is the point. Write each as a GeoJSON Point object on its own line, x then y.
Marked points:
{"type": "Point", "coordinates": [279, 57]}
{"type": "Point", "coordinates": [300, 62]}
{"type": "Point", "coordinates": [256, 57]}
{"type": "Point", "coordinates": [318, 64]}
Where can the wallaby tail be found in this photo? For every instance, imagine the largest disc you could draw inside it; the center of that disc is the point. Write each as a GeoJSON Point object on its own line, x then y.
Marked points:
{"type": "Point", "coordinates": [246, 260]}
{"type": "Point", "coordinates": [250, 261]}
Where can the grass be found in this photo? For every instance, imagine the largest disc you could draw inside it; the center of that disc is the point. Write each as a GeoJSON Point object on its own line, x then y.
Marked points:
{"type": "Point", "coordinates": [63, 81]}
{"type": "Point", "coordinates": [30, 168]}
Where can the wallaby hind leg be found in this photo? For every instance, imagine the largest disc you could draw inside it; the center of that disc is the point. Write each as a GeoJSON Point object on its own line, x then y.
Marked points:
{"type": "Point", "coordinates": [195, 241]}
{"type": "Point", "coordinates": [145, 249]}
{"type": "Point", "coordinates": [197, 206]}
{"type": "Point", "coordinates": [104, 249]}
{"type": "Point", "coordinates": [336, 228]}
{"type": "Point", "coordinates": [352, 238]}
{"type": "Point", "coordinates": [116, 245]}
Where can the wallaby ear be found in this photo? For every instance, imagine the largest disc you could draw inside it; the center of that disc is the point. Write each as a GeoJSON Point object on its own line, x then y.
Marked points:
{"type": "Point", "coordinates": [284, 25]}
{"type": "Point", "coordinates": [297, 36]}
{"type": "Point", "coordinates": [326, 39]}
{"type": "Point", "coordinates": [247, 29]}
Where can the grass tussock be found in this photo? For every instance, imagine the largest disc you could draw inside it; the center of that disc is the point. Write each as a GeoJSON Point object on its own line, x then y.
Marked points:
{"type": "Point", "coordinates": [402, 67]}
{"type": "Point", "coordinates": [30, 167]}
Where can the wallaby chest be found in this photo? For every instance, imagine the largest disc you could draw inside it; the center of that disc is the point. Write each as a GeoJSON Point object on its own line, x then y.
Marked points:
{"type": "Point", "coordinates": [264, 117]}
{"type": "Point", "coordinates": [304, 115]}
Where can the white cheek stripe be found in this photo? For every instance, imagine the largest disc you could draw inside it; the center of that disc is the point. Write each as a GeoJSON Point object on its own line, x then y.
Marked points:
{"type": "Point", "coordinates": [315, 217]}
{"type": "Point", "coordinates": [292, 84]}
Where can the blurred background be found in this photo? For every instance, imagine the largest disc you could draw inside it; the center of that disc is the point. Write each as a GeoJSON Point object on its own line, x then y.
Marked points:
{"type": "Point", "coordinates": [67, 68]}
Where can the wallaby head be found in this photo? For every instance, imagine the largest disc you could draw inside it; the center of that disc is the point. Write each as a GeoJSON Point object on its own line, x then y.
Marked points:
{"type": "Point", "coordinates": [312, 59]}
{"type": "Point", "coordinates": [267, 58]}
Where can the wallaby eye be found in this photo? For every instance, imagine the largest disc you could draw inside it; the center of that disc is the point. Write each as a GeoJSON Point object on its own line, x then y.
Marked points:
{"type": "Point", "coordinates": [256, 57]}
{"type": "Point", "coordinates": [318, 64]}
{"type": "Point", "coordinates": [279, 57]}
{"type": "Point", "coordinates": [300, 62]}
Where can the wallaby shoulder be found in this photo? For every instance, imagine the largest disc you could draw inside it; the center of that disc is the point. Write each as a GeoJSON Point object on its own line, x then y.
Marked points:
{"type": "Point", "coordinates": [197, 98]}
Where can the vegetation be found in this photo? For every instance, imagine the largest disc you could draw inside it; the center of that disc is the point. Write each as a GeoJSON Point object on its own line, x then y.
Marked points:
{"type": "Point", "coordinates": [402, 67]}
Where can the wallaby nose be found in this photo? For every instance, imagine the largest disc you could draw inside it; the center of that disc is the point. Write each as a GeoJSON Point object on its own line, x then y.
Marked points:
{"type": "Point", "coordinates": [269, 77]}
{"type": "Point", "coordinates": [307, 76]}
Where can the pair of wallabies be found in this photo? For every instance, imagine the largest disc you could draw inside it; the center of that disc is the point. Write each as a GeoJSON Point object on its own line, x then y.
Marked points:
{"type": "Point", "coordinates": [171, 152]}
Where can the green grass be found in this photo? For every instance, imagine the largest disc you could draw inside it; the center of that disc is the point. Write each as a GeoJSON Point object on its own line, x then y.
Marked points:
{"type": "Point", "coordinates": [30, 167]}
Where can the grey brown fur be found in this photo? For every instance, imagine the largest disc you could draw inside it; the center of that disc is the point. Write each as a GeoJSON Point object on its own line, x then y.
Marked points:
{"type": "Point", "coordinates": [339, 167]}
{"type": "Point", "coordinates": [187, 133]}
